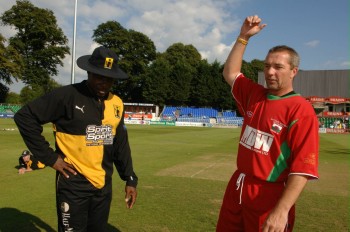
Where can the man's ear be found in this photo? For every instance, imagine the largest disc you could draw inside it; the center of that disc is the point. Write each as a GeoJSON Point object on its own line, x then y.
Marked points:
{"type": "Point", "coordinates": [294, 72]}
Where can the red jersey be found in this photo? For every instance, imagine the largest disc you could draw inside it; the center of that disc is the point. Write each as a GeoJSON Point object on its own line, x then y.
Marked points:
{"type": "Point", "coordinates": [279, 134]}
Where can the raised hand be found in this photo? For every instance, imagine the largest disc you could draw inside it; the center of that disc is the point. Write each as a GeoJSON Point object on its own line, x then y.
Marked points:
{"type": "Point", "coordinates": [251, 26]}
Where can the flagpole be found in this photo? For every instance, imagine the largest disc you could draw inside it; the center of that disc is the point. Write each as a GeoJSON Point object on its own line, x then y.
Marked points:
{"type": "Point", "coordinates": [73, 47]}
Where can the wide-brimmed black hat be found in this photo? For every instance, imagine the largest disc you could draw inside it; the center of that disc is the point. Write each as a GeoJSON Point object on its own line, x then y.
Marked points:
{"type": "Point", "coordinates": [104, 62]}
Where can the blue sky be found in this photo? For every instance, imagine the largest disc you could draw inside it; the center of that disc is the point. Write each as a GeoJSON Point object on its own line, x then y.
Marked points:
{"type": "Point", "coordinates": [317, 29]}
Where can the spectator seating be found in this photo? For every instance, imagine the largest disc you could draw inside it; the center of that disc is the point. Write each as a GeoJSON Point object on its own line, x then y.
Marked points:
{"type": "Point", "coordinates": [203, 115]}
{"type": "Point", "coordinates": [169, 111]}
{"type": "Point", "coordinates": [230, 120]}
{"type": "Point", "coordinates": [332, 122]}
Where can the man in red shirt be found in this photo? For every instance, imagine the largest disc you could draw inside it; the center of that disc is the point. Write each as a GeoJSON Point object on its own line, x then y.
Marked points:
{"type": "Point", "coordinates": [278, 148]}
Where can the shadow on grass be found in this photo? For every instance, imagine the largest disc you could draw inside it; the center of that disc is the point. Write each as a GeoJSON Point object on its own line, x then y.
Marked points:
{"type": "Point", "coordinates": [111, 228]}
{"type": "Point", "coordinates": [14, 220]}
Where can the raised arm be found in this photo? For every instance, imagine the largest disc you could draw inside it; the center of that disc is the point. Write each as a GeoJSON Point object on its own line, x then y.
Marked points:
{"type": "Point", "coordinates": [251, 26]}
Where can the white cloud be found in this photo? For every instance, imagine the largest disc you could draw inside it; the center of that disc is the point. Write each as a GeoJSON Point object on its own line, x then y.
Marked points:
{"type": "Point", "coordinates": [313, 43]}
{"type": "Point", "coordinates": [345, 64]}
{"type": "Point", "coordinates": [202, 23]}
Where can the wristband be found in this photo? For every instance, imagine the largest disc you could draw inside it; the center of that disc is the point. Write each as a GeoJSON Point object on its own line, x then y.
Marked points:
{"type": "Point", "coordinates": [242, 41]}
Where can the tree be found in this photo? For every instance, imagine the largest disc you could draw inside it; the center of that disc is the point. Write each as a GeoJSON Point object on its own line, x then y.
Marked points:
{"type": "Point", "coordinates": [156, 88]}
{"type": "Point", "coordinates": [113, 35]}
{"type": "Point", "coordinates": [247, 70]}
{"type": "Point", "coordinates": [13, 98]}
{"type": "Point", "coordinates": [3, 92]}
{"type": "Point", "coordinates": [10, 62]}
{"type": "Point", "coordinates": [142, 53]}
{"type": "Point", "coordinates": [252, 69]}
{"type": "Point", "coordinates": [30, 92]}
{"type": "Point", "coordinates": [201, 94]}
{"type": "Point", "coordinates": [188, 53]}
{"type": "Point", "coordinates": [184, 61]}
{"type": "Point", "coordinates": [257, 66]}
{"type": "Point", "coordinates": [180, 85]}
{"type": "Point", "coordinates": [39, 41]}
{"type": "Point", "coordinates": [10, 66]}
{"type": "Point", "coordinates": [221, 91]}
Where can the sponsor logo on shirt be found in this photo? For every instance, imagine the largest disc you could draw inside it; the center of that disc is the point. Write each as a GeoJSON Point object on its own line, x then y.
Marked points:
{"type": "Point", "coordinates": [80, 108]}
{"type": "Point", "coordinates": [277, 126]}
{"type": "Point", "coordinates": [256, 140]}
{"type": "Point", "coordinates": [310, 159]}
{"type": "Point", "coordinates": [99, 135]}
{"type": "Point", "coordinates": [250, 114]}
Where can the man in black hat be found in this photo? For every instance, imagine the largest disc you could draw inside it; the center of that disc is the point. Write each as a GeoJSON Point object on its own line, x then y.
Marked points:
{"type": "Point", "coordinates": [91, 137]}
{"type": "Point", "coordinates": [28, 163]}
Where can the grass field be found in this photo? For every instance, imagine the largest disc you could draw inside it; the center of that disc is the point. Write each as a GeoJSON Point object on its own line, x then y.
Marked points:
{"type": "Point", "coordinates": [183, 172]}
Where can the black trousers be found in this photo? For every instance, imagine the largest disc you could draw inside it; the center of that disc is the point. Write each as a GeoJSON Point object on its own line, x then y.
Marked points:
{"type": "Point", "coordinates": [81, 207]}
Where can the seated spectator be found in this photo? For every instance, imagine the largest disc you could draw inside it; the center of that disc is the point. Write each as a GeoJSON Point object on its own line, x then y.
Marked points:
{"type": "Point", "coordinates": [27, 163]}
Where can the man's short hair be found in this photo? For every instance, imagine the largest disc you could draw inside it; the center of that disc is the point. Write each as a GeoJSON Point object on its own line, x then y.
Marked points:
{"type": "Point", "coordinates": [294, 58]}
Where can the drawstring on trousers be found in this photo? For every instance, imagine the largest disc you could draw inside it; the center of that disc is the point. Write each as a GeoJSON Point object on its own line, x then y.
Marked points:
{"type": "Point", "coordinates": [239, 184]}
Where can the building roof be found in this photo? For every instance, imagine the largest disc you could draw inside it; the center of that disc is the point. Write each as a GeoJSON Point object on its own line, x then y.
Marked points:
{"type": "Point", "coordinates": [322, 83]}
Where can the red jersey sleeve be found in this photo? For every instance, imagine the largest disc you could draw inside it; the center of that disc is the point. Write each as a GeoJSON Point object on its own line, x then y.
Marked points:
{"type": "Point", "coordinates": [303, 140]}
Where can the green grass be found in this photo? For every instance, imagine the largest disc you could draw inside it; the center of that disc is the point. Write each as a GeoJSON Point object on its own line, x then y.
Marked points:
{"type": "Point", "coordinates": [183, 172]}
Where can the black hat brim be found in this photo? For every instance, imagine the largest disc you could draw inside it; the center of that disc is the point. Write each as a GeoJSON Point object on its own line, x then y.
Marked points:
{"type": "Point", "coordinates": [83, 63]}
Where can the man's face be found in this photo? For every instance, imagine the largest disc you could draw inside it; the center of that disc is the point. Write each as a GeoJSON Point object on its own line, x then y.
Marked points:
{"type": "Point", "coordinates": [26, 158]}
{"type": "Point", "coordinates": [278, 73]}
{"type": "Point", "coordinates": [100, 85]}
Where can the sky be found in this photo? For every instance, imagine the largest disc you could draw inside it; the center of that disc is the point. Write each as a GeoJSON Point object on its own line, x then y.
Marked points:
{"type": "Point", "coordinates": [317, 29]}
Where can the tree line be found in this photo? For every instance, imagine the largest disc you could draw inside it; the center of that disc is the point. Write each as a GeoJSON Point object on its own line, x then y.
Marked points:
{"type": "Point", "coordinates": [177, 77]}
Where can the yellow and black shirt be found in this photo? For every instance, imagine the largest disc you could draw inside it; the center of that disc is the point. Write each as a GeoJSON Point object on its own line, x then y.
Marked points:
{"type": "Point", "coordinates": [33, 163]}
{"type": "Point", "coordinates": [90, 134]}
